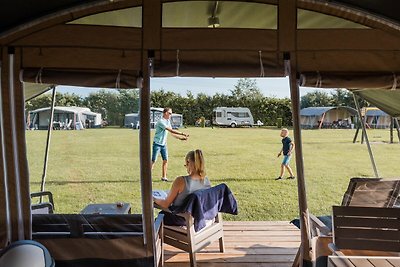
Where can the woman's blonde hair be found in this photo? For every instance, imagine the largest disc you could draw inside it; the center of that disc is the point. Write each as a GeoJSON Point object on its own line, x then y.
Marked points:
{"type": "Point", "coordinates": [196, 156]}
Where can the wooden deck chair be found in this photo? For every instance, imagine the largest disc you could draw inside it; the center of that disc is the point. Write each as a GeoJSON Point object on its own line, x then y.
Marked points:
{"type": "Point", "coordinates": [368, 192]}
{"type": "Point", "coordinates": [365, 231]}
{"type": "Point", "coordinates": [189, 237]}
{"type": "Point", "coordinates": [46, 207]}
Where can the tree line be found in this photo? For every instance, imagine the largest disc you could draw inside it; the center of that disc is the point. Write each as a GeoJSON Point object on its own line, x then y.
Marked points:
{"type": "Point", "coordinates": [114, 104]}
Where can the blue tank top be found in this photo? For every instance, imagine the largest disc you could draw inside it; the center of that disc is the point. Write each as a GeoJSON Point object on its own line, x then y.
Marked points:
{"type": "Point", "coordinates": [191, 186]}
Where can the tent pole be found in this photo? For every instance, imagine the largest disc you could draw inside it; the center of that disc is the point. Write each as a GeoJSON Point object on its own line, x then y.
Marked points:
{"type": "Point", "coordinates": [322, 120]}
{"type": "Point", "coordinates": [305, 257]}
{"type": "Point", "coordinates": [371, 155]}
{"type": "Point", "coordinates": [396, 121]}
{"type": "Point", "coordinates": [356, 134]}
{"type": "Point", "coordinates": [145, 161]}
{"type": "Point", "coordinates": [391, 129]}
{"type": "Point", "coordinates": [46, 152]}
{"type": "Point", "coordinates": [363, 124]}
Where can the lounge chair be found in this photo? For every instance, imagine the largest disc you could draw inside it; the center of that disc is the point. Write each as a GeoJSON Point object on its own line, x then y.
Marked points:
{"type": "Point", "coordinates": [368, 192]}
{"type": "Point", "coordinates": [365, 234]}
{"type": "Point", "coordinates": [201, 220]}
{"type": "Point", "coordinates": [43, 207]}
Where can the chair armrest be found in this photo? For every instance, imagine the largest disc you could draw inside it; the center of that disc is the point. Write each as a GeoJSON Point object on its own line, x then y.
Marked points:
{"type": "Point", "coordinates": [185, 215]}
{"type": "Point", "coordinates": [318, 227]}
{"type": "Point", "coordinates": [158, 223]}
{"type": "Point", "coordinates": [42, 194]}
{"type": "Point", "coordinates": [335, 250]}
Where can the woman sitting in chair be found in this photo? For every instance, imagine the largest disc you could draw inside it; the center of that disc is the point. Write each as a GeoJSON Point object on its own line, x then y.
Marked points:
{"type": "Point", "coordinates": [185, 185]}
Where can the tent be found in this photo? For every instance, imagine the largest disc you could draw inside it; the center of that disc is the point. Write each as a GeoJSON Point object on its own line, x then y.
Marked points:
{"type": "Point", "coordinates": [121, 43]}
{"type": "Point", "coordinates": [132, 119]}
{"type": "Point", "coordinates": [65, 118]}
{"type": "Point", "coordinates": [327, 117]}
{"type": "Point", "coordinates": [377, 118]}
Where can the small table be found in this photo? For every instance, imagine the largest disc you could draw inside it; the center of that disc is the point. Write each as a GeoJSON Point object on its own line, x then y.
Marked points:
{"type": "Point", "coordinates": [107, 208]}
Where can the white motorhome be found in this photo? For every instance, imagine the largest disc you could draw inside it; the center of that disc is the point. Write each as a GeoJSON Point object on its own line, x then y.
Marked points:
{"type": "Point", "coordinates": [232, 117]}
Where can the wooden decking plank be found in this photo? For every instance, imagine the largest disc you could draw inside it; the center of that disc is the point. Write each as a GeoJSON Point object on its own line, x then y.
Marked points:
{"type": "Point", "coordinates": [231, 264]}
{"type": "Point", "coordinates": [247, 250]}
{"type": "Point", "coordinates": [255, 244]}
{"type": "Point", "coordinates": [380, 263]}
{"type": "Point", "coordinates": [223, 257]}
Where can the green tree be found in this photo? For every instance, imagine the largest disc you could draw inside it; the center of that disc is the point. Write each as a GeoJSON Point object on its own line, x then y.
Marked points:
{"type": "Point", "coordinates": [316, 99]}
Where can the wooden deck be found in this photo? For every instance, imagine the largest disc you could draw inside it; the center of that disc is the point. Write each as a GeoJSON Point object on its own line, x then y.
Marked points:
{"type": "Point", "coordinates": [252, 244]}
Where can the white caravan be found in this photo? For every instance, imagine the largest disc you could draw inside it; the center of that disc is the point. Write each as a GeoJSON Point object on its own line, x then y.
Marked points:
{"type": "Point", "coordinates": [232, 117]}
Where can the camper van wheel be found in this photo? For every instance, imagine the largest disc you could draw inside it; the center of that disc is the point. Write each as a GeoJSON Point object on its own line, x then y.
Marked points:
{"type": "Point", "coordinates": [233, 125]}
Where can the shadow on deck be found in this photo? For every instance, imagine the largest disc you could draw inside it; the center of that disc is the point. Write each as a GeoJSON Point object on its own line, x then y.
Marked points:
{"type": "Point", "coordinates": [253, 244]}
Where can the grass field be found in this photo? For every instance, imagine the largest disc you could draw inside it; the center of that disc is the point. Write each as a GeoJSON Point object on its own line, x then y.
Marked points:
{"type": "Point", "coordinates": [102, 165]}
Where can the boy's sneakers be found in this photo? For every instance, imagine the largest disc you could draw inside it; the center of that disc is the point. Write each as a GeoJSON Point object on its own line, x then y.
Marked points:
{"type": "Point", "coordinates": [291, 177]}
{"type": "Point", "coordinates": [164, 179]}
{"type": "Point", "coordinates": [279, 178]}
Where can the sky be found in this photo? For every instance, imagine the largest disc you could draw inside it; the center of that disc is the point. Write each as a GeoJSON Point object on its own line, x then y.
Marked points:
{"type": "Point", "coordinates": [270, 87]}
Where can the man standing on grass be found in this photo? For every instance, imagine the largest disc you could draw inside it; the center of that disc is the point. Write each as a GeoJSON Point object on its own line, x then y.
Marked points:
{"type": "Point", "coordinates": [163, 126]}
{"type": "Point", "coordinates": [287, 148]}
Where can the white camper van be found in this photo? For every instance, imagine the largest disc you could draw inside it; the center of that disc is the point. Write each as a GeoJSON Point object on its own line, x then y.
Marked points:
{"type": "Point", "coordinates": [232, 117]}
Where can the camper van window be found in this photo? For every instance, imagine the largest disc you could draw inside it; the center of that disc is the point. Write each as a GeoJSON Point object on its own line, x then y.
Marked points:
{"type": "Point", "coordinates": [219, 114]}
{"type": "Point", "coordinates": [240, 114]}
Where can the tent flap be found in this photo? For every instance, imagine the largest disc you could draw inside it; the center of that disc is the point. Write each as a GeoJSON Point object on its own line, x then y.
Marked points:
{"type": "Point", "coordinates": [89, 78]}
{"type": "Point", "coordinates": [388, 101]}
{"type": "Point", "coordinates": [350, 80]}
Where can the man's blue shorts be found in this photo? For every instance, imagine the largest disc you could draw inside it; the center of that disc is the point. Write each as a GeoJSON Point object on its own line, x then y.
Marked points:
{"type": "Point", "coordinates": [159, 149]}
{"type": "Point", "coordinates": [286, 159]}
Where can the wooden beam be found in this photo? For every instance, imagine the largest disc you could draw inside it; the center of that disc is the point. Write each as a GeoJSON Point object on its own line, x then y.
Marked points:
{"type": "Point", "coordinates": [151, 28]}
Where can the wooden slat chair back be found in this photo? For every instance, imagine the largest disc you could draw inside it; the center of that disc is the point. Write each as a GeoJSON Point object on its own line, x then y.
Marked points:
{"type": "Point", "coordinates": [372, 192]}
{"type": "Point", "coordinates": [366, 228]}
{"type": "Point", "coordinates": [367, 192]}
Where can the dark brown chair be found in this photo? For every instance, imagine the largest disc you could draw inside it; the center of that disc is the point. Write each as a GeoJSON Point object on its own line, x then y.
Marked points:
{"type": "Point", "coordinates": [368, 192]}
{"type": "Point", "coordinates": [365, 232]}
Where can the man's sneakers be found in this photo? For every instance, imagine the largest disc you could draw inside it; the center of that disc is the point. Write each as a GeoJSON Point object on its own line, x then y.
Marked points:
{"type": "Point", "coordinates": [289, 178]}
{"type": "Point", "coordinates": [164, 179]}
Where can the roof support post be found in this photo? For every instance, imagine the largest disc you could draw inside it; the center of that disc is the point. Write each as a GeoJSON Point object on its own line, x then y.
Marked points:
{"type": "Point", "coordinates": [305, 257]}
{"type": "Point", "coordinates": [5, 217]}
{"type": "Point", "coordinates": [151, 32]}
{"type": "Point", "coordinates": [364, 131]}
{"type": "Point", "coordinates": [145, 160]}
{"type": "Point", "coordinates": [15, 162]}
{"type": "Point", "coordinates": [46, 153]}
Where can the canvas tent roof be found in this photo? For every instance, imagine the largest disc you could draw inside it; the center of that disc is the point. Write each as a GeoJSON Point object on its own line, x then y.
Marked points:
{"type": "Point", "coordinates": [376, 112]}
{"type": "Point", "coordinates": [318, 111]}
{"type": "Point", "coordinates": [357, 41]}
{"type": "Point", "coordinates": [388, 101]}
{"type": "Point", "coordinates": [68, 109]}
{"type": "Point", "coordinates": [182, 46]}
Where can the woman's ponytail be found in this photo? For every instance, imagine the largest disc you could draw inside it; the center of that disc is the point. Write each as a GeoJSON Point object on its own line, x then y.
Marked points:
{"type": "Point", "coordinates": [196, 156]}
{"type": "Point", "coordinates": [199, 163]}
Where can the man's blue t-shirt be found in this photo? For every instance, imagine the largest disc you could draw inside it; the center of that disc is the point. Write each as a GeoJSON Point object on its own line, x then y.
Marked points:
{"type": "Point", "coordinates": [286, 145]}
{"type": "Point", "coordinates": [160, 137]}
